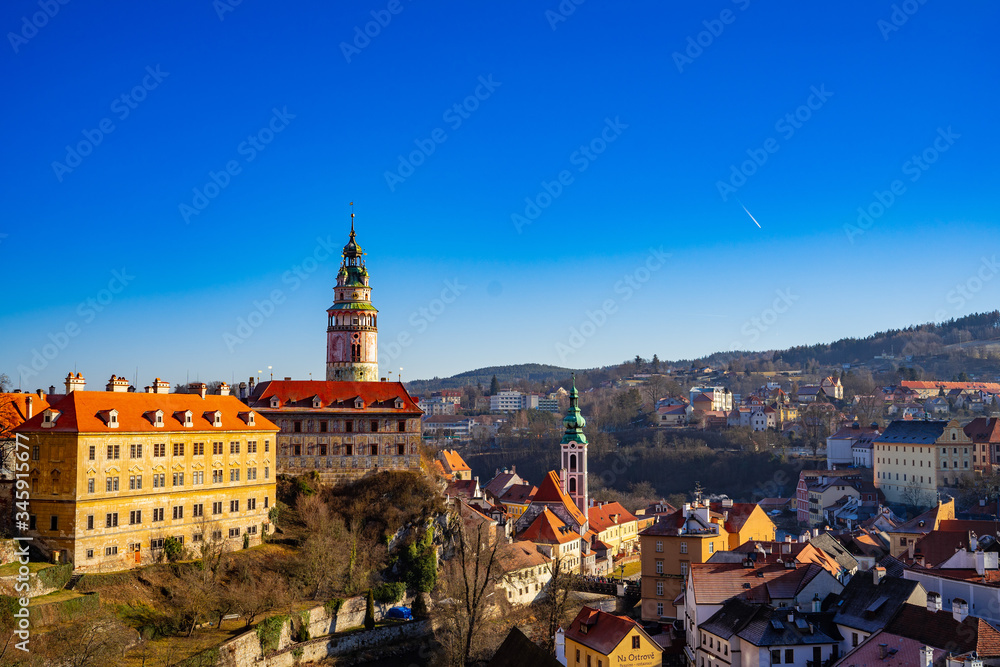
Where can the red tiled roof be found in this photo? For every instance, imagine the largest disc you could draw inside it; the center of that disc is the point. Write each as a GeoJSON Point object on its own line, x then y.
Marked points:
{"type": "Point", "coordinates": [81, 412]}
{"type": "Point", "coordinates": [714, 583]}
{"type": "Point", "coordinates": [983, 429]}
{"type": "Point", "coordinates": [940, 630]}
{"type": "Point", "coordinates": [522, 554]}
{"type": "Point", "coordinates": [603, 632]}
{"type": "Point", "coordinates": [334, 395]}
{"type": "Point", "coordinates": [991, 387]}
{"type": "Point", "coordinates": [519, 494]}
{"type": "Point", "coordinates": [14, 408]}
{"type": "Point", "coordinates": [547, 528]}
{"type": "Point", "coordinates": [550, 491]}
{"type": "Point", "coordinates": [900, 651]}
{"type": "Point", "coordinates": [603, 516]}
{"type": "Point", "coordinates": [465, 488]}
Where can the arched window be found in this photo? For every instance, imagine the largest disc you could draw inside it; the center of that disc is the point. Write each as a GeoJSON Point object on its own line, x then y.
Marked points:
{"type": "Point", "coordinates": [572, 485]}
{"type": "Point", "coordinates": [572, 462]}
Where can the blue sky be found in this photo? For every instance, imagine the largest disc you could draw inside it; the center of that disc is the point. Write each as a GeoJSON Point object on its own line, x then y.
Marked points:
{"type": "Point", "coordinates": [207, 153]}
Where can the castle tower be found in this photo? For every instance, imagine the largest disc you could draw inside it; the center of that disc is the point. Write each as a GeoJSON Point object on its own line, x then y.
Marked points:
{"type": "Point", "coordinates": [574, 453]}
{"type": "Point", "coordinates": [352, 331]}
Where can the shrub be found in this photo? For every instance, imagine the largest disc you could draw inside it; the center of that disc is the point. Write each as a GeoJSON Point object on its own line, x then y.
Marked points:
{"type": "Point", "coordinates": [173, 549]}
{"type": "Point", "coordinates": [56, 576]}
{"type": "Point", "coordinates": [419, 609]}
{"type": "Point", "coordinates": [246, 540]}
{"type": "Point", "coordinates": [333, 606]}
{"type": "Point", "coordinates": [389, 593]}
{"type": "Point", "coordinates": [269, 632]}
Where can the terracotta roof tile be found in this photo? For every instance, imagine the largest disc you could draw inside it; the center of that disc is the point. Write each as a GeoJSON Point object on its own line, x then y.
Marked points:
{"type": "Point", "coordinates": [547, 528]}
{"type": "Point", "coordinates": [603, 632]}
{"type": "Point", "coordinates": [550, 491]}
{"type": "Point", "coordinates": [334, 395]}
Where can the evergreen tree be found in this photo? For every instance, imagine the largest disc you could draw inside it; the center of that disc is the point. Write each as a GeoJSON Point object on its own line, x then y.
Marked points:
{"type": "Point", "coordinates": [370, 611]}
{"type": "Point", "coordinates": [656, 364]}
{"type": "Point", "coordinates": [494, 386]}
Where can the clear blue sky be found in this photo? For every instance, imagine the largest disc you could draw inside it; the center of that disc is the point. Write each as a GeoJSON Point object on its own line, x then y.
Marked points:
{"type": "Point", "coordinates": [331, 113]}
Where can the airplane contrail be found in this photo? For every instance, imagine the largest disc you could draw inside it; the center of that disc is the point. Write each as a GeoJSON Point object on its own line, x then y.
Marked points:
{"type": "Point", "coordinates": [751, 216]}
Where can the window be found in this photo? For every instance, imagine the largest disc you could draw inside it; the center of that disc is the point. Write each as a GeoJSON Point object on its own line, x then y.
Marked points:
{"type": "Point", "coordinates": [854, 639]}
{"type": "Point", "coordinates": [789, 655]}
{"type": "Point", "coordinates": [684, 547]}
{"type": "Point", "coordinates": [198, 477]}
{"type": "Point", "coordinates": [114, 451]}
{"type": "Point", "coordinates": [659, 609]}
{"type": "Point", "coordinates": [159, 480]}
{"type": "Point", "coordinates": [776, 656]}
{"type": "Point", "coordinates": [32, 522]}
{"type": "Point", "coordinates": [90, 522]}
{"type": "Point", "coordinates": [159, 449]}
{"type": "Point", "coordinates": [178, 479]}
{"type": "Point", "coordinates": [90, 485]}
{"type": "Point", "coordinates": [198, 509]}
{"type": "Point", "coordinates": [374, 426]}
{"type": "Point", "coordinates": [110, 551]}
{"type": "Point", "coordinates": [296, 428]}
{"type": "Point", "coordinates": [265, 502]}
{"type": "Point", "coordinates": [198, 449]}
{"type": "Point", "coordinates": [217, 508]}
{"type": "Point", "coordinates": [135, 451]}
{"type": "Point", "coordinates": [53, 523]}
{"type": "Point", "coordinates": [234, 474]}
{"type": "Point", "coordinates": [216, 534]}
{"type": "Point", "coordinates": [111, 520]}
{"type": "Point", "coordinates": [349, 426]}
{"type": "Point", "coordinates": [134, 517]}
{"type": "Point", "coordinates": [234, 448]}
{"type": "Point", "coordinates": [659, 546]}
{"type": "Point", "coordinates": [684, 569]}
{"type": "Point", "coordinates": [178, 511]}
{"type": "Point", "coordinates": [111, 483]}
{"type": "Point", "coordinates": [92, 453]}
{"type": "Point", "coordinates": [158, 514]}
{"type": "Point", "coordinates": [216, 448]}
{"type": "Point", "coordinates": [216, 477]}
{"type": "Point", "coordinates": [156, 543]}
{"type": "Point", "coordinates": [234, 532]}
{"type": "Point", "coordinates": [252, 530]}
{"type": "Point", "coordinates": [198, 537]}
{"type": "Point", "coordinates": [401, 426]}
{"type": "Point", "coordinates": [90, 553]}
{"type": "Point", "coordinates": [659, 567]}
{"type": "Point", "coordinates": [297, 450]}
{"type": "Point", "coordinates": [659, 588]}
{"type": "Point", "coordinates": [267, 446]}
{"type": "Point", "coordinates": [134, 482]}
{"type": "Point", "coordinates": [251, 474]}
{"type": "Point", "coordinates": [711, 547]}
{"type": "Point", "coordinates": [234, 506]}
{"type": "Point", "coordinates": [252, 446]}
{"type": "Point", "coordinates": [178, 449]}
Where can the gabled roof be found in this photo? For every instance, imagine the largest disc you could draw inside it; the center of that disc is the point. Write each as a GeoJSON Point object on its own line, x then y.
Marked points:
{"type": "Point", "coordinates": [519, 494]}
{"type": "Point", "coordinates": [519, 651]}
{"type": "Point", "coordinates": [772, 627]}
{"type": "Point", "coordinates": [601, 631]}
{"type": "Point", "coordinates": [607, 515]}
{"type": "Point", "coordinates": [463, 488]}
{"type": "Point", "coordinates": [81, 413]}
{"type": "Point", "coordinates": [498, 484]}
{"type": "Point", "coordinates": [14, 408]}
{"type": "Point", "coordinates": [550, 491]}
{"type": "Point", "coordinates": [714, 583]}
{"type": "Point", "coordinates": [333, 396]}
{"type": "Point", "coordinates": [453, 461]}
{"type": "Point", "coordinates": [547, 528]}
{"type": "Point", "coordinates": [731, 618]}
{"type": "Point", "coordinates": [940, 630]}
{"type": "Point", "coordinates": [737, 514]}
{"type": "Point", "coordinates": [832, 547]}
{"type": "Point", "coordinates": [899, 652]}
{"type": "Point", "coordinates": [522, 554]}
{"type": "Point", "coordinates": [983, 429]}
{"type": "Point", "coordinates": [867, 606]}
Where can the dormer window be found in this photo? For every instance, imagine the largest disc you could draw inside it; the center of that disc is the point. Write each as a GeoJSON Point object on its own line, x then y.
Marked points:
{"type": "Point", "coordinates": [49, 418]}
{"type": "Point", "coordinates": [158, 419]}
{"type": "Point", "coordinates": [109, 417]}
{"type": "Point", "coordinates": [316, 402]}
{"type": "Point", "coordinates": [215, 418]}
{"type": "Point", "coordinates": [248, 417]}
{"type": "Point", "coordinates": [359, 403]}
{"type": "Point", "coordinates": [399, 403]}
{"type": "Point", "coordinates": [185, 418]}
{"type": "Point", "coordinates": [275, 402]}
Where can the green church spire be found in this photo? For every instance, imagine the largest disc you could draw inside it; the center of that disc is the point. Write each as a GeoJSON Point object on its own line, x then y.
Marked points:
{"type": "Point", "coordinates": [574, 421]}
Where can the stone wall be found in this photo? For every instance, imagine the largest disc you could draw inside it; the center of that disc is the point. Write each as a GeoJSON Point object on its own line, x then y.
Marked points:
{"type": "Point", "coordinates": [245, 650]}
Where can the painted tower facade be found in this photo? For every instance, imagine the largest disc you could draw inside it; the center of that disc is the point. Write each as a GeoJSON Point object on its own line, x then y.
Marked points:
{"type": "Point", "coordinates": [574, 453]}
{"type": "Point", "coordinates": [352, 331]}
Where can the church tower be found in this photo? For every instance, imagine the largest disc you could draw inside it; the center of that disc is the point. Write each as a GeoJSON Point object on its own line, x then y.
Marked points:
{"type": "Point", "coordinates": [574, 453]}
{"type": "Point", "coordinates": [352, 332]}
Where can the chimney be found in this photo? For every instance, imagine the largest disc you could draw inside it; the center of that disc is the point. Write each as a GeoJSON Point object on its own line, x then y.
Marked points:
{"type": "Point", "coordinates": [959, 609]}
{"type": "Point", "coordinates": [980, 563]}
{"type": "Point", "coordinates": [926, 656]}
{"type": "Point", "coordinates": [815, 532]}
{"type": "Point", "coordinates": [243, 391]}
{"type": "Point", "coordinates": [878, 572]}
{"type": "Point", "coordinates": [910, 547]}
{"type": "Point", "coordinates": [883, 651]}
{"type": "Point", "coordinates": [29, 409]}
{"type": "Point", "coordinates": [116, 384]}
{"type": "Point", "coordinates": [75, 383]}
{"type": "Point", "coordinates": [52, 389]}
{"type": "Point", "coordinates": [933, 601]}
{"type": "Point", "coordinates": [40, 393]}
{"type": "Point", "coordinates": [973, 541]}
{"type": "Point", "coordinates": [223, 389]}
{"type": "Point", "coordinates": [202, 389]}
{"type": "Point", "coordinates": [161, 386]}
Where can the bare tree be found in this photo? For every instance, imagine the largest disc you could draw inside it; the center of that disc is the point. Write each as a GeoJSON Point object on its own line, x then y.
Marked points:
{"type": "Point", "coordinates": [322, 555]}
{"type": "Point", "coordinates": [86, 640]}
{"type": "Point", "coordinates": [553, 608]}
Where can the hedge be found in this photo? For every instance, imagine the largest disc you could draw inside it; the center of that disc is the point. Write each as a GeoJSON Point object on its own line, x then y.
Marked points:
{"type": "Point", "coordinates": [56, 576]}
{"type": "Point", "coordinates": [269, 632]}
